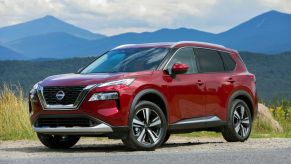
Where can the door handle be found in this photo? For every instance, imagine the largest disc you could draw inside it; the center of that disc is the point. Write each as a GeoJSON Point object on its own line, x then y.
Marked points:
{"type": "Point", "coordinates": [231, 80]}
{"type": "Point", "coordinates": [199, 82]}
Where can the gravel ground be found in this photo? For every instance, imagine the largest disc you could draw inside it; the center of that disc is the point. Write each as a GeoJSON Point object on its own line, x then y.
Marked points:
{"type": "Point", "coordinates": [177, 150]}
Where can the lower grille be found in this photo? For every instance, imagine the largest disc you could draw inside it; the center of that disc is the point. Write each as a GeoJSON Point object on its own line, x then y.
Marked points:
{"type": "Point", "coordinates": [66, 122]}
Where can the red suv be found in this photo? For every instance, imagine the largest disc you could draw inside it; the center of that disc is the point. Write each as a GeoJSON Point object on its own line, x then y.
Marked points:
{"type": "Point", "coordinates": [143, 93]}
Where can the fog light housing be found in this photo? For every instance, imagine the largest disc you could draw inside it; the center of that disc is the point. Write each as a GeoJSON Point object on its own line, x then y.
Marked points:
{"type": "Point", "coordinates": [104, 96]}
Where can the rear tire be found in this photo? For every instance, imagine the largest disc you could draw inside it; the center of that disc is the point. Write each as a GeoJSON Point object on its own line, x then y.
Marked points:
{"type": "Point", "coordinates": [167, 137]}
{"type": "Point", "coordinates": [239, 122]}
{"type": "Point", "coordinates": [57, 141]}
{"type": "Point", "coordinates": [148, 127]}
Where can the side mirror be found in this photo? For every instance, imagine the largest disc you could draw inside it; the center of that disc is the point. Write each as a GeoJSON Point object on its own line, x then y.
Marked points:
{"type": "Point", "coordinates": [180, 68]}
{"type": "Point", "coordinates": [80, 70]}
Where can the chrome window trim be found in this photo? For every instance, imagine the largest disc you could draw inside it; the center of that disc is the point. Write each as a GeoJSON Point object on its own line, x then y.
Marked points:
{"type": "Point", "coordinates": [166, 65]}
{"type": "Point", "coordinates": [229, 53]}
{"type": "Point", "coordinates": [74, 106]}
{"type": "Point", "coordinates": [197, 47]}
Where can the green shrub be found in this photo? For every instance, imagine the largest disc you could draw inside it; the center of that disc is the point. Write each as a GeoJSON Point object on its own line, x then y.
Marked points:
{"type": "Point", "coordinates": [281, 110]}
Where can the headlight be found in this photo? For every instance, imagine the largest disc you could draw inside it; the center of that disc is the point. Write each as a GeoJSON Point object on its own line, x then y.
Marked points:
{"type": "Point", "coordinates": [32, 92]}
{"type": "Point", "coordinates": [117, 82]}
{"type": "Point", "coordinates": [104, 96]}
{"type": "Point", "coordinates": [34, 88]}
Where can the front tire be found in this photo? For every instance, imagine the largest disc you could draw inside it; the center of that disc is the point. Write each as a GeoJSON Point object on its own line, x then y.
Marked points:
{"type": "Point", "coordinates": [239, 124]}
{"type": "Point", "coordinates": [57, 141]}
{"type": "Point", "coordinates": [148, 127]}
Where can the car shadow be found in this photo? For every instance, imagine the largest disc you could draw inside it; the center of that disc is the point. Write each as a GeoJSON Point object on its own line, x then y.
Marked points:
{"type": "Point", "coordinates": [106, 148]}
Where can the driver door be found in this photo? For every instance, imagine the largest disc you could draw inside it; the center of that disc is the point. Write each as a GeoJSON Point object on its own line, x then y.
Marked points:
{"type": "Point", "coordinates": [186, 90]}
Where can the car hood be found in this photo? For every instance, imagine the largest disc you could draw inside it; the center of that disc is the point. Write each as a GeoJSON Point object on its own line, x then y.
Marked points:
{"type": "Point", "coordinates": [87, 79]}
{"type": "Point", "coordinates": [79, 79]}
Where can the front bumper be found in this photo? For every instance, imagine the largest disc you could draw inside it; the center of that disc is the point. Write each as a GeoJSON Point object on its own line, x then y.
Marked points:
{"type": "Point", "coordinates": [111, 116]}
{"type": "Point", "coordinates": [77, 124]}
{"type": "Point", "coordinates": [113, 113]}
{"type": "Point", "coordinates": [98, 129]}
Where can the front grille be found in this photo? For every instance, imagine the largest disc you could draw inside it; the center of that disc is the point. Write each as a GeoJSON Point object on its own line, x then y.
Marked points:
{"type": "Point", "coordinates": [71, 94]}
{"type": "Point", "coordinates": [65, 122]}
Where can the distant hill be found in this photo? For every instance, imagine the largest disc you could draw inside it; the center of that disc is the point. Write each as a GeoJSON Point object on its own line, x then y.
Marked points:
{"type": "Point", "coordinates": [63, 45]}
{"type": "Point", "coordinates": [272, 74]}
{"type": "Point", "coordinates": [49, 37]}
{"type": "Point", "coordinates": [44, 25]}
{"type": "Point", "coordinates": [8, 54]}
{"type": "Point", "coordinates": [267, 33]}
{"type": "Point", "coordinates": [162, 35]}
{"type": "Point", "coordinates": [51, 45]}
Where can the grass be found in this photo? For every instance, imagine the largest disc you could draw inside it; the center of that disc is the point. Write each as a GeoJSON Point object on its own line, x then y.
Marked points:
{"type": "Point", "coordinates": [14, 116]}
{"type": "Point", "coordinates": [281, 110]}
{"type": "Point", "coordinates": [15, 124]}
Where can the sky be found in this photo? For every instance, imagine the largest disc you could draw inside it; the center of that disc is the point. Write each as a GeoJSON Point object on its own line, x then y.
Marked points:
{"type": "Point", "coordinates": [111, 17]}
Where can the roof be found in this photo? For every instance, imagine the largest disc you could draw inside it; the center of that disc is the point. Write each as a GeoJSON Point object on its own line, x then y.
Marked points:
{"type": "Point", "coordinates": [177, 45]}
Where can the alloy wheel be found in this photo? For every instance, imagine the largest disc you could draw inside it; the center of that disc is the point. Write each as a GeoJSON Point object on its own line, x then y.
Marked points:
{"type": "Point", "coordinates": [241, 121]}
{"type": "Point", "coordinates": [147, 126]}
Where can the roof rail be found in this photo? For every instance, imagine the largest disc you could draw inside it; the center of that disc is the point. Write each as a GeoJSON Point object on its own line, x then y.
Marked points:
{"type": "Point", "coordinates": [124, 45]}
{"type": "Point", "coordinates": [145, 44]}
{"type": "Point", "coordinates": [194, 42]}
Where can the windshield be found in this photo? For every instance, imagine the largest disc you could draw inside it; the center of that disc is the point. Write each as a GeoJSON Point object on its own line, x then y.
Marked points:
{"type": "Point", "coordinates": [127, 60]}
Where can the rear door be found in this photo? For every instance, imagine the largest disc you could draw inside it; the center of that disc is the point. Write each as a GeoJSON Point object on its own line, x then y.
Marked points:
{"type": "Point", "coordinates": [218, 80]}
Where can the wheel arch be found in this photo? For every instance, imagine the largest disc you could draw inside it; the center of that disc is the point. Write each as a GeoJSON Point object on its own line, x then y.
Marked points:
{"type": "Point", "coordinates": [154, 96]}
{"type": "Point", "coordinates": [246, 97]}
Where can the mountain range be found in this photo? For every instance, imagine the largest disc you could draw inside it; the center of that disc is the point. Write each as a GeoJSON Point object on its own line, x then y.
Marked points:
{"type": "Point", "coordinates": [44, 25]}
{"type": "Point", "coordinates": [50, 37]}
{"type": "Point", "coordinates": [8, 54]}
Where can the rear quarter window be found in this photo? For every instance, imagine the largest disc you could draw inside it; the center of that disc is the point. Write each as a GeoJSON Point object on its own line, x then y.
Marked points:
{"type": "Point", "coordinates": [209, 61]}
{"type": "Point", "coordinates": [229, 63]}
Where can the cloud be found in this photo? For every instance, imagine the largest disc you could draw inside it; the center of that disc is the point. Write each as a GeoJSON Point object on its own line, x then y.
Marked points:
{"type": "Point", "coordinates": [282, 5]}
{"type": "Point", "coordinates": [116, 16]}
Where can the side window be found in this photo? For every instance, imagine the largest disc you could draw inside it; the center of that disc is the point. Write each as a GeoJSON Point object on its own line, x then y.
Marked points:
{"type": "Point", "coordinates": [209, 61]}
{"type": "Point", "coordinates": [185, 56]}
{"type": "Point", "coordinates": [229, 63]}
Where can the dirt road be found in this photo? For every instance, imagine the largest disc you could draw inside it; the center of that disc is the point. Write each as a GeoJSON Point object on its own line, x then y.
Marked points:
{"type": "Point", "coordinates": [177, 150]}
